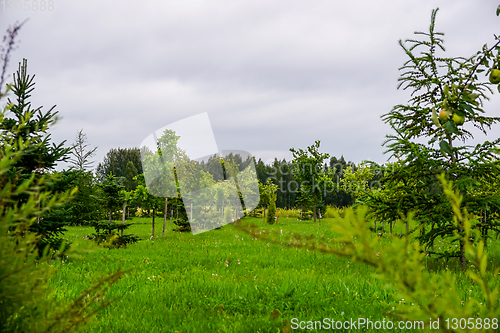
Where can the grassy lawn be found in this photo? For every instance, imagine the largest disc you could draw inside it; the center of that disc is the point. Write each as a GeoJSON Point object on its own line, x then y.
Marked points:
{"type": "Point", "coordinates": [223, 281]}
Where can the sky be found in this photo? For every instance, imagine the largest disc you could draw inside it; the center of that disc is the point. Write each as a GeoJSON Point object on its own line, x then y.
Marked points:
{"type": "Point", "coordinates": [270, 74]}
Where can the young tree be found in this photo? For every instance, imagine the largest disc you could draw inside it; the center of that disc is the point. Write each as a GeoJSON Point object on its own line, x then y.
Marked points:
{"type": "Point", "coordinates": [309, 172]}
{"type": "Point", "coordinates": [448, 96]}
{"type": "Point", "coordinates": [84, 206]}
{"type": "Point", "coordinates": [111, 195]}
{"type": "Point", "coordinates": [148, 201]}
{"type": "Point", "coordinates": [41, 156]}
{"type": "Point", "coordinates": [81, 152]}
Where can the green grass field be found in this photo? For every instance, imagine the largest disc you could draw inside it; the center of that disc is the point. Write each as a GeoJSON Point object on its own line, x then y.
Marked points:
{"type": "Point", "coordinates": [223, 281]}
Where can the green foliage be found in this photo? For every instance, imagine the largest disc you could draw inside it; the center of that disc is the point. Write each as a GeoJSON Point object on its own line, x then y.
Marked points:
{"type": "Point", "coordinates": [306, 215]}
{"type": "Point", "coordinates": [452, 87]}
{"type": "Point", "coordinates": [107, 233]}
{"type": "Point", "coordinates": [116, 162]}
{"type": "Point", "coordinates": [21, 122]}
{"type": "Point", "coordinates": [271, 212]}
{"type": "Point", "coordinates": [26, 301]}
{"type": "Point", "coordinates": [332, 212]}
{"type": "Point", "coordinates": [311, 175]}
{"type": "Point", "coordinates": [149, 202]}
{"type": "Point", "coordinates": [110, 194]}
{"type": "Point", "coordinates": [85, 207]}
{"type": "Point", "coordinates": [292, 213]}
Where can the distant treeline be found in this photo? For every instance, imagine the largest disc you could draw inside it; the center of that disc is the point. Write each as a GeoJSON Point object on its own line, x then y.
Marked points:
{"type": "Point", "coordinates": [125, 164]}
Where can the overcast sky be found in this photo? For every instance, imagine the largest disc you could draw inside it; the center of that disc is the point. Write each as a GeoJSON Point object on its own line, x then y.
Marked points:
{"type": "Point", "coordinates": [271, 74]}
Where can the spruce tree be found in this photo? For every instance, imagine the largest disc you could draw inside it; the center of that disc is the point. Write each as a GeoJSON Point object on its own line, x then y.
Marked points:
{"type": "Point", "coordinates": [41, 156]}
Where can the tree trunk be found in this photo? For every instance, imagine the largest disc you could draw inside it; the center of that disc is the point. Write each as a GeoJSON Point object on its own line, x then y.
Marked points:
{"type": "Point", "coordinates": [110, 213]}
{"type": "Point", "coordinates": [484, 230]}
{"type": "Point", "coordinates": [277, 215]}
{"type": "Point", "coordinates": [191, 214]}
{"type": "Point", "coordinates": [390, 227]}
{"type": "Point", "coordinates": [314, 212]}
{"type": "Point", "coordinates": [123, 213]}
{"type": "Point", "coordinates": [462, 253]}
{"type": "Point", "coordinates": [153, 234]}
{"type": "Point", "coordinates": [171, 217]}
{"type": "Point", "coordinates": [165, 218]}
{"type": "Point", "coordinates": [234, 216]}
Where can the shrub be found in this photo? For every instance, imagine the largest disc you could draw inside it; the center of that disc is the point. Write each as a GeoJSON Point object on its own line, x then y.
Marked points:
{"type": "Point", "coordinates": [271, 212]}
{"type": "Point", "coordinates": [109, 235]}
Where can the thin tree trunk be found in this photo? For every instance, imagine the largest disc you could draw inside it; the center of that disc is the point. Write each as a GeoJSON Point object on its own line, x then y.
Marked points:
{"type": "Point", "coordinates": [462, 253]}
{"type": "Point", "coordinates": [314, 212]}
{"type": "Point", "coordinates": [459, 226]}
{"type": "Point", "coordinates": [153, 234]}
{"type": "Point", "coordinates": [390, 227]}
{"type": "Point", "coordinates": [171, 217]}
{"type": "Point", "coordinates": [234, 216]}
{"type": "Point", "coordinates": [110, 213]}
{"type": "Point", "coordinates": [277, 215]}
{"type": "Point", "coordinates": [191, 214]}
{"type": "Point", "coordinates": [165, 218]}
{"type": "Point", "coordinates": [123, 213]}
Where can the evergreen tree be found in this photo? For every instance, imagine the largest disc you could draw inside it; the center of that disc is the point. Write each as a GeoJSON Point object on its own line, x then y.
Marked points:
{"type": "Point", "coordinates": [41, 156]}
{"type": "Point", "coordinates": [116, 161]}
{"type": "Point", "coordinates": [85, 207]}
{"type": "Point", "coordinates": [448, 96]}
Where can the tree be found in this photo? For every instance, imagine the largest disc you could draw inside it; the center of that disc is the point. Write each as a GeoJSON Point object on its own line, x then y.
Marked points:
{"type": "Point", "coordinates": [85, 205]}
{"type": "Point", "coordinates": [309, 172]}
{"type": "Point", "coordinates": [111, 195]}
{"type": "Point", "coordinates": [130, 173]}
{"type": "Point", "coordinates": [82, 155]}
{"type": "Point", "coordinates": [271, 190]}
{"type": "Point", "coordinates": [452, 87]}
{"type": "Point", "coordinates": [41, 156]}
{"type": "Point", "coordinates": [147, 200]}
{"type": "Point", "coordinates": [26, 304]}
{"type": "Point", "coordinates": [116, 161]}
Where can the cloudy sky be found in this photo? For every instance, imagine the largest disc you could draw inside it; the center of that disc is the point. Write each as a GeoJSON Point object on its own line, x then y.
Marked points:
{"type": "Point", "coordinates": [271, 74]}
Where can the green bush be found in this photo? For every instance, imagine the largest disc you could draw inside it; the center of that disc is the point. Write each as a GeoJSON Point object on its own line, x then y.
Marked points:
{"type": "Point", "coordinates": [271, 212]}
{"type": "Point", "coordinates": [107, 234]}
{"type": "Point", "coordinates": [332, 211]}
